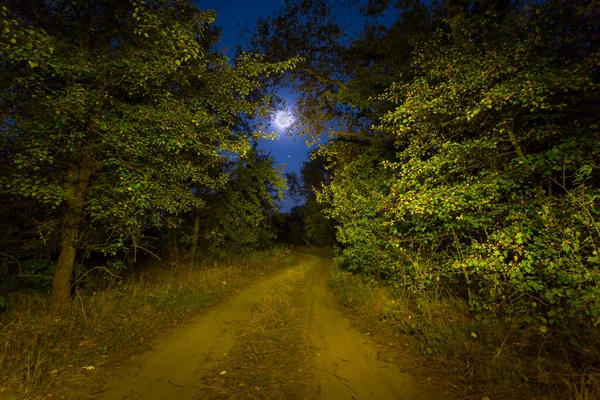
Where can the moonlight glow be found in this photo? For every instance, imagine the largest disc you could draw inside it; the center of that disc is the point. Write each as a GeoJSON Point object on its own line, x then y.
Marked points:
{"type": "Point", "coordinates": [283, 119]}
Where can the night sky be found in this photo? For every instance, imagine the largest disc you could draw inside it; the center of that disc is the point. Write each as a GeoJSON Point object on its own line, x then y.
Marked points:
{"type": "Point", "coordinates": [232, 15]}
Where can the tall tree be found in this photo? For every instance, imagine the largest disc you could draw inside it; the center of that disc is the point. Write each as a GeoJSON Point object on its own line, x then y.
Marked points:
{"type": "Point", "coordinates": [317, 229]}
{"type": "Point", "coordinates": [465, 146]}
{"type": "Point", "coordinates": [238, 215]}
{"type": "Point", "coordinates": [343, 66]}
{"type": "Point", "coordinates": [111, 110]}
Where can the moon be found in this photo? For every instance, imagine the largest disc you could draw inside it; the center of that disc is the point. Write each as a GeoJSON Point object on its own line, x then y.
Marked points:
{"type": "Point", "coordinates": [284, 119]}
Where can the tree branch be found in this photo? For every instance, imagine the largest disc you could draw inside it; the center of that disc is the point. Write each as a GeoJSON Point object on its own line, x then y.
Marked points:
{"type": "Point", "coordinates": [351, 135]}
{"type": "Point", "coordinates": [322, 79]}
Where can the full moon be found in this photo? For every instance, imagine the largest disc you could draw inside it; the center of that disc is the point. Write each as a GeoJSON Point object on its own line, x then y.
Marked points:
{"type": "Point", "coordinates": [284, 119]}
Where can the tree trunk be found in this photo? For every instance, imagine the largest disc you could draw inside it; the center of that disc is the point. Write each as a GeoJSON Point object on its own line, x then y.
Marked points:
{"type": "Point", "coordinates": [194, 246]}
{"type": "Point", "coordinates": [173, 248]}
{"type": "Point", "coordinates": [78, 179]}
{"type": "Point", "coordinates": [516, 144]}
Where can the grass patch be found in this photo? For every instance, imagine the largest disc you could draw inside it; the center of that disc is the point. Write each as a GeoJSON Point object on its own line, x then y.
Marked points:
{"type": "Point", "coordinates": [37, 351]}
{"type": "Point", "coordinates": [473, 357]}
{"type": "Point", "coordinates": [270, 361]}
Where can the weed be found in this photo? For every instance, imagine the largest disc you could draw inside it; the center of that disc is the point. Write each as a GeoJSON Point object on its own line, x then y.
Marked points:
{"type": "Point", "coordinates": [36, 348]}
{"type": "Point", "coordinates": [506, 359]}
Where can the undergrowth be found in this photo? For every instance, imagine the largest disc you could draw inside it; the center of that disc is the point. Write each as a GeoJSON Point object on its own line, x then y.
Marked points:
{"type": "Point", "coordinates": [499, 359]}
{"type": "Point", "coordinates": [38, 350]}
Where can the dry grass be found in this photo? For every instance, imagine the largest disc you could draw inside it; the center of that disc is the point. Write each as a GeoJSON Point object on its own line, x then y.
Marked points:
{"type": "Point", "coordinates": [269, 362]}
{"type": "Point", "coordinates": [37, 349]}
{"type": "Point", "coordinates": [473, 358]}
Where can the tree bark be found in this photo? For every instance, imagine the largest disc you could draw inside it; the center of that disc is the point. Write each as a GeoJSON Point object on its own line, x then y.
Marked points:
{"type": "Point", "coordinates": [194, 246]}
{"type": "Point", "coordinates": [515, 142]}
{"type": "Point", "coordinates": [78, 178]}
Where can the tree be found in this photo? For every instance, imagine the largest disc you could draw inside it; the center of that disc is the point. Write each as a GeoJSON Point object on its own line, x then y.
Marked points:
{"type": "Point", "coordinates": [471, 160]}
{"type": "Point", "coordinates": [315, 227]}
{"type": "Point", "coordinates": [238, 215]}
{"type": "Point", "coordinates": [341, 70]}
{"type": "Point", "coordinates": [496, 144]}
{"type": "Point", "coordinates": [111, 110]}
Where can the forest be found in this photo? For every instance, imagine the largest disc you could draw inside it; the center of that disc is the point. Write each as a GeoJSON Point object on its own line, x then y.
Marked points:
{"type": "Point", "coordinates": [460, 175]}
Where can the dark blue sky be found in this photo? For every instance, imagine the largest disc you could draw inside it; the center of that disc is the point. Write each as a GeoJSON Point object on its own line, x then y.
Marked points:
{"type": "Point", "coordinates": [232, 16]}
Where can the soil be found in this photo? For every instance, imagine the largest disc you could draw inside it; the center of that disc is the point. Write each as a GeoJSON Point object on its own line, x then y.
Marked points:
{"type": "Point", "coordinates": [343, 363]}
{"type": "Point", "coordinates": [349, 364]}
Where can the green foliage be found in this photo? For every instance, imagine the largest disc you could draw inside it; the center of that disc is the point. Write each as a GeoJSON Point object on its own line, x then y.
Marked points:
{"type": "Point", "coordinates": [288, 226]}
{"type": "Point", "coordinates": [112, 111]}
{"type": "Point", "coordinates": [352, 203]}
{"type": "Point", "coordinates": [318, 230]}
{"type": "Point", "coordinates": [237, 216]}
{"type": "Point", "coordinates": [307, 223]}
{"type": "Point", "coordinates": [489, 154]}
{"type": "Point", "coordinates": [464, 157]}
{"type": "Point", "coordinates": [37, 273]}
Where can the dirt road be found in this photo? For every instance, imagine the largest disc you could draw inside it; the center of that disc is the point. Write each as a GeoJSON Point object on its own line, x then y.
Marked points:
{"type": "Point", "coordinates": [345, 362]}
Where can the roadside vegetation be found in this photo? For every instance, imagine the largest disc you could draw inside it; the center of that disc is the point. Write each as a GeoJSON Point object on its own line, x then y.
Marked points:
{"type": "Point", "coordinates": [467, 355]}
{"type": "Point", "coordinates": [459, 183]}
{"type": "Point", "coordinates": [128, 160]}
{"type": "Point", "coordinates": [41, 351]}
{"type": "Point", "coordinates": [110, 153]}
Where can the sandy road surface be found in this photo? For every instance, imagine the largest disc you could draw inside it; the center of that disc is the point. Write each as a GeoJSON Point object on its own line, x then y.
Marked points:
{"type": "Point", "coordinates": [345, 362]}
{"type": "Point", "coordinates": [174, 368]}
{"type": "Point", "coordinates": [348, 363]}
